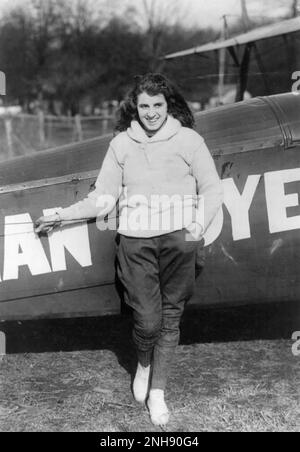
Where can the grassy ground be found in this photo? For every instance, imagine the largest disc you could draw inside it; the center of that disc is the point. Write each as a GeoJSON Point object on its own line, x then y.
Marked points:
{"type": "Point", "coordinates": [240, 385]}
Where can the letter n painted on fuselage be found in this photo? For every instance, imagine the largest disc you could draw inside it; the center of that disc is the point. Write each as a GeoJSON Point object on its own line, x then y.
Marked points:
{"type": "Point", "coordinates": [75, 239]}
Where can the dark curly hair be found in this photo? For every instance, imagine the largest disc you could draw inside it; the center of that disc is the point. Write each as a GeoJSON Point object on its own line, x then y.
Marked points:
{"type": "Point", "coordinates": [154, 84]}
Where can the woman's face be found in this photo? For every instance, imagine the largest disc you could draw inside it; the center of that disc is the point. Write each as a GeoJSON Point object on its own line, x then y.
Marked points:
{"type": "Point", "coordinates": [152, 111]}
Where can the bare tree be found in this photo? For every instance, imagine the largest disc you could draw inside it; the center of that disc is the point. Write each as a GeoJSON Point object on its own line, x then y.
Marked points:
{"type": "Point", "coordinates": [156, 17]}
{"type": "Point", "coordinates": [245, 16]}
{"type": "Point", "coordinates": [46, 16]}
{"type": "Point", "coordinates": [75, 68]}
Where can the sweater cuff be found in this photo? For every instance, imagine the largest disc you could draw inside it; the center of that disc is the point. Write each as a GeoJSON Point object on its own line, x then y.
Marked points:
{"type": "Point", "coordinates": [64, 215]}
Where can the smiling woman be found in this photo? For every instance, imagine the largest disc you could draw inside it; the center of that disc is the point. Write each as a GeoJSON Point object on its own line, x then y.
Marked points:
{"type": "Point", "coordinates": [153, 97]}
{"type": "Point", "coordinates": [156, 154]}
{"type": "Point", "coordinates": [152, 111]}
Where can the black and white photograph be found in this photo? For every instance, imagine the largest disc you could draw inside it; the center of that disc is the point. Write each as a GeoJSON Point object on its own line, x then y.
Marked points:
{"type": "Point", "coordinates": [149, 218]}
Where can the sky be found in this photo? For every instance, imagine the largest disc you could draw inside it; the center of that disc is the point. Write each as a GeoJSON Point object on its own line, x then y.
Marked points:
{"type": "Point", "coordinates": [200, 13]}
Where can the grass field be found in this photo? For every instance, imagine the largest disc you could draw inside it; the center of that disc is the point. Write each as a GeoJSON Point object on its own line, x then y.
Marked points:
{"type": "Point", "coordinates": [230, 382]}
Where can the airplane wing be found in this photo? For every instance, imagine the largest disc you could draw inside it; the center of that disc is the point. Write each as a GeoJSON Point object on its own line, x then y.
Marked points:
{"type": "Point", "coordinates": [268, 31]}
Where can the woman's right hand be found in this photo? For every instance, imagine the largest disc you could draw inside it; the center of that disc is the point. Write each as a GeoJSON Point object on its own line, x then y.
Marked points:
{"type": "Point", "coordinates": [47, 224]}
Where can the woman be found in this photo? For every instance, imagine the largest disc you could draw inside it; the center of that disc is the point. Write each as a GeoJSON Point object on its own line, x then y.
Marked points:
{"type": "Point", "coordinates": [156, 166]}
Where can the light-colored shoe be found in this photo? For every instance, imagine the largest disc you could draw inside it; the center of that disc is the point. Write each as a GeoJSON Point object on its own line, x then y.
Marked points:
{"type": "Point", "coordinates": [140, 385]}
{"type": "Point", "coordinates": [158, 410]}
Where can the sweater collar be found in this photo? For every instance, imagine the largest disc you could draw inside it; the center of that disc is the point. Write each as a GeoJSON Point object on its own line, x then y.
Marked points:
{"type": "Point", "coordinates": [168, 130]}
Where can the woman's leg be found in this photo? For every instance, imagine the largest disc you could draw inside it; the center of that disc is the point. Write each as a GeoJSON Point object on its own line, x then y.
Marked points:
{"type": "Point", "coordinates": [177, 277]}
{"type": "Point", "coordinates": [138, 270]}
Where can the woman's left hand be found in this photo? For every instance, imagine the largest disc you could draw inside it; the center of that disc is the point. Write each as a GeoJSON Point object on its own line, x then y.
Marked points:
{"type": "Point", "coordinates": [195, 231]}
{"type": "Point", "coordinates": [47, 224]}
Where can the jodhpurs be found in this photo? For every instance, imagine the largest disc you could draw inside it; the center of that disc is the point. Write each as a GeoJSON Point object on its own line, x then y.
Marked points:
{"type": "Point", "coordinates": [158, 276]}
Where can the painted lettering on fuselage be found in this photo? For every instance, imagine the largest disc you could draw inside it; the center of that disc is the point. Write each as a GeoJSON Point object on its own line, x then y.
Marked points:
{"type": "Point", "coordinates": [239, 205]}
{"type": "Point", "coordinates": [23, 247]}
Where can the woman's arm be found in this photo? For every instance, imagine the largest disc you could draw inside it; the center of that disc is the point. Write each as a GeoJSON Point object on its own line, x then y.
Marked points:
{"type": "Point", "coordinates": [99, 202]}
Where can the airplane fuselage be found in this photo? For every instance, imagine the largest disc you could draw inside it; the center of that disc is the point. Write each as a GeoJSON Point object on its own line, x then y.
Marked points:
{"type": "Point", "coordinates": [252, 247]}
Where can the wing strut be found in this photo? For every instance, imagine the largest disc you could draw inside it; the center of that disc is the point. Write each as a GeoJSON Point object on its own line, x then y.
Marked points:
{"type": "Point", "coordinates": [244, 71]}
{"type": "Point", "coordinates": [234, 56]}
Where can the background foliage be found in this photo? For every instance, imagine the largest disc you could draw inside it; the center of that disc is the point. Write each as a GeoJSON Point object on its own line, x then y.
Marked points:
{"type": "Point", "coordinates": [57, 50]}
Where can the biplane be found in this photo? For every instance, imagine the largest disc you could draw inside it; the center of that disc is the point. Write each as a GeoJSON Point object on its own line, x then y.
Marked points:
{"type": "Point", "coordinates": [241, 47]}
{"type": "Point", "coordinates": [252, 247]}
